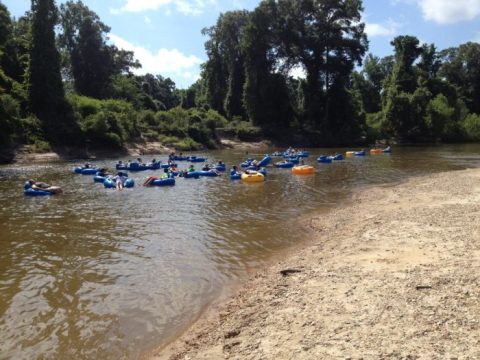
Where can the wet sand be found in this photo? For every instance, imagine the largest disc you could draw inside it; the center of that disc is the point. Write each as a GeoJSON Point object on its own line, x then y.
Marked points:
{"type": "Point", "coordinates": [395, 274]}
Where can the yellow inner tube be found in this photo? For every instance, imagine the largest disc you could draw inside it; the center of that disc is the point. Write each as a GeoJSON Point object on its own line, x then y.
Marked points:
{"type": "Point", "coordinates": [253, 177]}
{"type": "Point", "coordinates": [303, 170]}
{"type": "Point", "coordinates": [350, 153]}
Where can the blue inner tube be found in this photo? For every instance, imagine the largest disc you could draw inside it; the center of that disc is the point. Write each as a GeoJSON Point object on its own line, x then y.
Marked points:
{"type": "Point", "coordinates": [359, 153]}
{"type": "Point", "coordinates": [208, 173]}
{"type": "Point", "coordinates": [235, 176]}
{"type": "Point", "coordinates": [85, 171]}
{"type": "Point", "coordinates": [100, 179]}
{"type": "Point", "coordinates": [195, 159]}
{"type": "Point", "coordinates": [387, 150]}
{"type": "Point", "coordinates": [221, 167]}
{"type": "Point", "coordinates": [89, 171]}
{"type": "Point", "coordinates": [284, 164]}
{"type": "Point", "coordinates": [294, 160]}
{"type": "Point", "coordinates": [338, 157]}
{"type": "Point", "coordinates": [192, 175]}
{"type": "Point", "coordinates": [324, 159]}
{"type": "Point", "coordinates": [33, 192]}
{"type": "Point", "coordinates": [164, 182]}
{"type": "Point", "coordinates": [180, 158]}
{"type": "Point", "coordinates": [143, 167]}
{"type": "Point", "coordinates": [166, 166]}
{"type": "Point", "coordinates": [265, 161]}
{"type": "Point", "coordinates": [121, 167]}
{"type": "Point", "coordinates": [246, 163]}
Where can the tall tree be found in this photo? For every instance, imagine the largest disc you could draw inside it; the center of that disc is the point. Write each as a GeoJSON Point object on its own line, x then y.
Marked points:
{"type": "Point", "coordinates": [5, 25]}
{"type": "Point", "coordinates": [93, 62]}
{"type": "Point", "coordinates": [45, 88]}
{"type": "Point", "coordinates": [16, 49]}
{"type": "Point", "coordinates": [327, 38]}
{"type": "Point", "coordinates": [404, 100]}
{"type": "Point", "coordinates": [224, 69]}
{"type": "Point", "coordinates": [266, 95]}
{"type": "Point", "coordinates": [461, 68]}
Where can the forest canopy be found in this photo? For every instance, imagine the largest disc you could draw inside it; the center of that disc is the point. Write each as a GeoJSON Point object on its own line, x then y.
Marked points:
{"type": "Point", "coordinates": [62, 83]}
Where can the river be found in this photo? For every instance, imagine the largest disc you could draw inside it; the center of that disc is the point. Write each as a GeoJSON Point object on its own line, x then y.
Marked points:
{"type": "Point", "coordinates": [102, 274]}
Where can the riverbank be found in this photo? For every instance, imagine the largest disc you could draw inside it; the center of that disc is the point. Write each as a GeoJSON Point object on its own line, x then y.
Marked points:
{"type": "Point", "coordinates": [393, 275]}
{"type": "Point", "coordinates": [25, 154]}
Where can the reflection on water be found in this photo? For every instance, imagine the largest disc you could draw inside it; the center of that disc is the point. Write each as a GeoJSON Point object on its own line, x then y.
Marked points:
{"type": "Point", "coordinates": [97, 273]}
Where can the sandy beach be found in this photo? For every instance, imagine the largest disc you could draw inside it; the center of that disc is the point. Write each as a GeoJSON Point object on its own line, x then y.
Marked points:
{"type": "Point", "coordinates": [394, 274]}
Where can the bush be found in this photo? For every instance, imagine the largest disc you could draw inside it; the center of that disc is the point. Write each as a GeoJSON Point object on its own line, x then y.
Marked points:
{"type": "Point", "coordinates": [247, 132]}
{"type": "Point", "coordinates": [168, 140]}
{"type": "Point", "coordinates": [187, 144]}
{"type": "Point", "coordinates": [104, 127]}
{"type": "Point", "coordinates": [374, 126]}
{"type": "Point", "coordinates": [471, 124]}
{"type": "Point", "coordinates": [40, 146]}
{"type": "Point", "coordinates": [9, 117]}
{"type": "Point", "coordinates": [30, 130]}
{"type": "Point", "coordinates": [107, 122]}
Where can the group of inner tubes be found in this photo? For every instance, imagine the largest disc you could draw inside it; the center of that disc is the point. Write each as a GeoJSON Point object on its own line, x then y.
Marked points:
{"type": "Point", "coordinates": [253, 171]}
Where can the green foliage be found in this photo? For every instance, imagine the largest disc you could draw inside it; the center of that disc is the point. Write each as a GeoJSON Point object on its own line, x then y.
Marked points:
{"type": "Point", "coordinates": [5, 25]}
{"type": "Point", "coordinates": [45, 88]}
{"type": "Point", "coordinates": [471, 125]}
{"type": "Point", "coordinates": [187, 144]}
{"type": "Point", "coordinates": [9, 114]}
{"type": "Point", "coordinates": [178, 125]}
{"type": "Point", "coordinates": [247, 132]}
{"type": "Point", "coordinates": [438, 115]}
{"type": "Point", "coordinates": [417, 94]}
{"type": "Point", "coordinates": [40, 146]}
{"type": "Point", "coordinates": [105, 122]}
{"type": "Point", "coordinates": [30, 131]}
{"type": "Point", "coordinates": [461, 68]}
{"type": "Point", "coordinates": [374, 127]}
{"type": "Point", "coordinates": [92, 62]}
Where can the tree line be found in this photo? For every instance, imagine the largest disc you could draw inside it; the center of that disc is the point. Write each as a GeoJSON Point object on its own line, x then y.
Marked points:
{"type": "Point", "coordinates": [63, 84]}
{"type": "Point", "coordinates": [418, 94]}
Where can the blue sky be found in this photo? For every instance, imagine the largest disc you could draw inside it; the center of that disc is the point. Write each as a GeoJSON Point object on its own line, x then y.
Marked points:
{"type": "Point", "coordinates": [166, 38]}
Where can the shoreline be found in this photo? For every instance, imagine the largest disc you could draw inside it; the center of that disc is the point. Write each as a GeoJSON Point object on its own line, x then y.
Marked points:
{"type": "Point", "coordinates": [390, 274]}
{"type": "Point", "coordinates": [24, 155]}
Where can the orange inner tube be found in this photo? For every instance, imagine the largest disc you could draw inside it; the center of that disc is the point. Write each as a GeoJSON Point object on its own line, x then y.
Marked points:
{"type": "Point", "coordinates": [303, 170]}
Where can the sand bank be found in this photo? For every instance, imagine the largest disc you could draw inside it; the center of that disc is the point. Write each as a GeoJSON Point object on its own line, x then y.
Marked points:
{"type": "Point", "coordinates": [396, 274]}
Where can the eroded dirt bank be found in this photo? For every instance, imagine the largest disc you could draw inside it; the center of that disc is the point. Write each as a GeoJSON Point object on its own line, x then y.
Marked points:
{"type": "Point", "coordinates": [394, 275]}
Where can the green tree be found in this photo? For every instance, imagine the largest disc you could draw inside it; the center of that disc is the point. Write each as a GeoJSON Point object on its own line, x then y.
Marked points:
{"type": "Point", "coordinates": [224, 69]}
{"type": "Point", "coordinates": [327, 38]}
{"type": "Point", "coordinates": [401, 107]}
{"type": "Point", "coordinates": [266, 95]}
{"type": "Point", "coordinates": [45, 88]}
{"type": "Point", "coordinates": [461, 68]}
{"type": "Point", "coordinates": [16, 49]}
{"type": "Point", "coordinates": [92, 61]}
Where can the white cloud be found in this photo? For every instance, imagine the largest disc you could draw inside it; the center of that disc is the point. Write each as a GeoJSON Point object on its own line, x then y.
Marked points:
{"type": "Point", "coordinates": [167, 62]}
{"type": "Point", "coordinates": [447, 11]}
{"type": "Point", "coordinates": [186, 7]}
{"type": "Point", "coordinates": [450, 11]}
{"type": "Point", "coordinates": [148, 20]}
{"type": "Point", "coordinates": [389, 29]}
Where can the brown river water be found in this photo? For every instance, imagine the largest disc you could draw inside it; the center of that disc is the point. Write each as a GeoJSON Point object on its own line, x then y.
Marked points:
{"type": "Point", "coordinates": [102, 274]}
